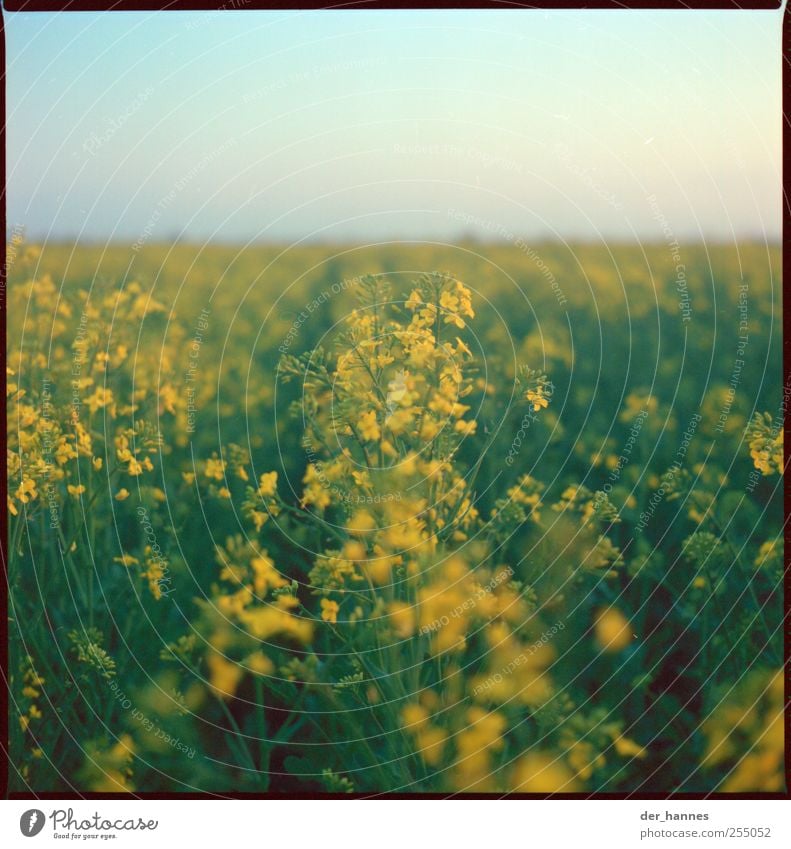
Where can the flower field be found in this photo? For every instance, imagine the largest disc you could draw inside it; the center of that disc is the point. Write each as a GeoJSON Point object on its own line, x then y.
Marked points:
{"type": "Point", "coordinates": [404, 518]}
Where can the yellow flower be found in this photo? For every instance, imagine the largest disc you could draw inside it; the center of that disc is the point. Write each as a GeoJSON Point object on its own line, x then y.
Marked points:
{"type": "Point", "coordinates": [259, 518]}
{"type": "Point", "coordinates": [368, 426]}
{"type": "Point", "coordinates": [414, 716]}
{"type": "Point", "coordinates": [122, 494]}
{"type": "Point", "coordinates": [402, 618]}
{"type": "Point", "coordinates": [224, 675]}
{"type": "Point", "coordinates": [429, 743]}
{"type": "Point", "coordinates": [265, 622]}
{"type": "Point", "coordinates": [27, 491]}
{"type": "Point", "coordinates": [543, 773]}
{"type": "Point", "coordinates": [101, 397]}
{"type": "Point", "coordinates": [329, 610]}
{"type": "Point", "coordinates": [612, 630]}
{"type": "Point", "coordinates": [265, 575]}
{"type": "Point", "coordinates": [627, 748]}
{"type": "Point", "coordinates": [315, 491]}
{"type": "Point", "coordinates": [414, 301]}
{"type": "Point", "coordinates": [76, 491]}
{"type": "Point", "coordinates": [64, 452]}
{"type": "Point", "coordinates": [259, 663]}
{"type": "Point", "coordinates": [267, 484]}
{"type": "Point", "coordinates": [126, 560]}
{"type": "Point", "coordinates": [97, 463]}
{"type": "Point", "coordinates": [215, 469]}
{"type": "Point", "coordinates": [465, 428]}
{"type": "Point", "coordinates": [461, 348]}
{"type": "Point", "coordinates": [536, 398]}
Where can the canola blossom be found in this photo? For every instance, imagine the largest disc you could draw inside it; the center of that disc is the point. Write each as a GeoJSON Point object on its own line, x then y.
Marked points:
{"type": "Point", "coordinates": [324, 564]}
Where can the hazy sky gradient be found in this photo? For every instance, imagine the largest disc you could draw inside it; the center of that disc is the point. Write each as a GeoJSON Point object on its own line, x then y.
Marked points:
{"type": "Point", "coordinates": [367, 125]}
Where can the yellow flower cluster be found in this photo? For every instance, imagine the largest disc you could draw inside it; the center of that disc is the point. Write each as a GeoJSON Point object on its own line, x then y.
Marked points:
{"type": "Point", "coordinates": [765, 439]}
{"type": "Point", "coordinates": [413, 570]}
{"type": "Point", "coordinates": [745, 735]}
{"type": "Point", "coordinates": [403, 570]}
{"type": "Point", "coordinates": [255, 604]}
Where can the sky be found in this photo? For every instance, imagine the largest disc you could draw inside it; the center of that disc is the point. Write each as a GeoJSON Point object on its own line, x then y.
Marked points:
{"type": "Point", "coordinates": [370, 125]}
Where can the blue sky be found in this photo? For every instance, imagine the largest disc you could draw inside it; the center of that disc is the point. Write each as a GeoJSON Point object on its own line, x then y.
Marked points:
{"type": "Point", "coordinates": [376, 125]}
